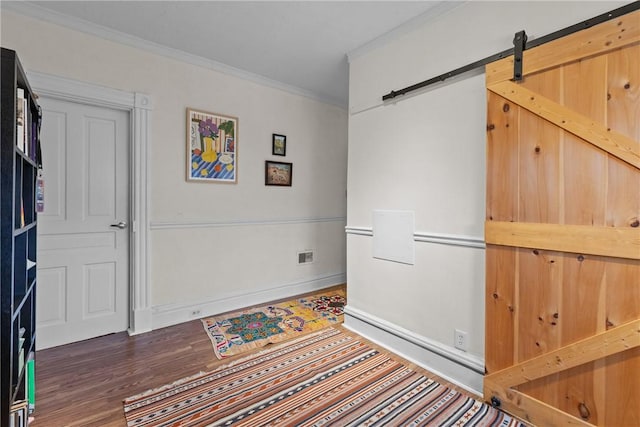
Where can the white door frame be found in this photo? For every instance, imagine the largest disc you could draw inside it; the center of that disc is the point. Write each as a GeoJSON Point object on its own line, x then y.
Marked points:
{"type": "Point", "coordinates": [139, 107]}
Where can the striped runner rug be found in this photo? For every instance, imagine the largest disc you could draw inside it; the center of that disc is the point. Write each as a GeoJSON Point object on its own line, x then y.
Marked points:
{"type": "Point", "coordinates": [327, 378]}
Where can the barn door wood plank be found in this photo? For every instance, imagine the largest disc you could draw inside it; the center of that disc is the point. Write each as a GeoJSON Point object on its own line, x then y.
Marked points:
{"type": "Point", "coordinates": [623, 115]}
{"type": "Point", "coordinates": [584, 293]}
{"type": "Point", "coordinates": [589, 130]}
{"type": "Point", "coordinates": [500, 303]}
{"type": "Point", "coordinates": [622, 371]}
{"type": "Point", "coordinates": [585, 194]}
{"type": "Point", "coordinates": [613, 341]}
{"type": "Point", "coordinates": [527, 408]}
{"type": "Point", "coordinates": [539, 150]}
{"type": "Point", "coordinates": [502, 180]}
{"type": "Point", "coordinates": [600, 39]}
{"type": "Point", "coordinates": [540, 199]}
{"type": "Point", "coordinates": [579, 239]}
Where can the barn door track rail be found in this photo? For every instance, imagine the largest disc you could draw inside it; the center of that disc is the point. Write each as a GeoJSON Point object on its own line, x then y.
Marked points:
{"type": "Point", "coordinates": [520, 44]}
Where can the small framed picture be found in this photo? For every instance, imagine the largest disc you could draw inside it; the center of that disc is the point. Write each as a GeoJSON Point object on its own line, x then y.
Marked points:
{"type": "Point", "coordinates": [279, 145]}
{"type": "Point", "coordinates": [278, 173]}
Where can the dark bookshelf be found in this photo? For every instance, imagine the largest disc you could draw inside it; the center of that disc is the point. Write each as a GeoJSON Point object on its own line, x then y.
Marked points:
{"type": "Point", "coordinates": [19, 167]}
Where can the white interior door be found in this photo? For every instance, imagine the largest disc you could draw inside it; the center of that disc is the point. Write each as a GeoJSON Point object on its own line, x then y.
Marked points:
{"type": "Point", "coordinates": [83, 271]}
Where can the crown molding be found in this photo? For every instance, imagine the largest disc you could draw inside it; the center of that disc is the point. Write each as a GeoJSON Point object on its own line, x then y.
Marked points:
{"type": "Point", "coordinates": [441, 8]}
{"type": "Point", "coordinates": [34, 11]}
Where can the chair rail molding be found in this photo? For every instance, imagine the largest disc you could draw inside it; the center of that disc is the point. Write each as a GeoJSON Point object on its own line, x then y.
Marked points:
{"type": "Point", "coordinates": [428, 237]}
{"type": "Point", "coordinates": [168, 225]}
{"type": "Point", "coordinates": [139, 106]}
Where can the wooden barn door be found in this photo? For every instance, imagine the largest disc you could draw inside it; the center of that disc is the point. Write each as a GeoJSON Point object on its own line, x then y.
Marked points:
{"type": "Point", "coordinates": [562, 230]}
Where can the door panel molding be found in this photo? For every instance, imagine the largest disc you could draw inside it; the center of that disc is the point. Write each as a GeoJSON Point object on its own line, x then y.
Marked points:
{"type": "Point", "coordinates": [139, 106]}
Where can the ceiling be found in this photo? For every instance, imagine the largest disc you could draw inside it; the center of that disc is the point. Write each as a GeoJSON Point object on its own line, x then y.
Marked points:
{"type": "Point", "coordinates": [302, 45]}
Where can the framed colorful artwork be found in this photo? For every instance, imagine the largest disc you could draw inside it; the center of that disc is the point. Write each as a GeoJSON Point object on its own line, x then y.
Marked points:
{"type": "Point", "coordinates": [278, 173]}
{"type": "Point", "coordinates": [212, 147]}
{"type": "Point", "coordinates": [279, 145]}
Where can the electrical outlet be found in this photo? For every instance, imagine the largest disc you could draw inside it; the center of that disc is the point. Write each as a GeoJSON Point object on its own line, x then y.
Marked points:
{"type": "Point", "coordinates": [305, 257]}
{"type": "Point", "coordinates": [460, 340]}
{"type": "Point", "coordinates": [195, 313]}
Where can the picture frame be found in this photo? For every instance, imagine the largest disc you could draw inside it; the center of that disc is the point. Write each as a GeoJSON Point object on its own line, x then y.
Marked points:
{"type": "Point", "coordinates": [279, 145]}
{"type": "Point", "coordinates": [278, 173]}
{"type": "Point", "coordinates": [212, 147]}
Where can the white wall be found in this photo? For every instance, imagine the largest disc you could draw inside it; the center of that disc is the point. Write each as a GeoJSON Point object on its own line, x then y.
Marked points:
{"type": "Point", "coordinates": [216, 247]}
{"type": "Point", "coordinates": [426, 153]}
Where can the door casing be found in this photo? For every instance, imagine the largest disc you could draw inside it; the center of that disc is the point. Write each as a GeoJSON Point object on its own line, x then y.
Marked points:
{"type": "Point", "coordinates": [139, 107]}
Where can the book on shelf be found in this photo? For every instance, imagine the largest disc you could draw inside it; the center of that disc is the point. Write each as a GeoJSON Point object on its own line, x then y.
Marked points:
{"type": "Point", "coordinates": [21, 359]}
{"type": "Point", "coordinates": [21, 356]}
{"type": "Point", "coordinates": [19, 414]}
{"type": "Point", "coordinates": [27, 128]}
{"type": "Point", "coordinates": [20, 118]}
{"type": "Point", "coordinates": [33, 140]}
{"type": "Point", "coordinates": [21, 340]}
{"type": "Point", "coordinates": [22, 223]}
{"type": "Point", "coordinates": [39, 192]}
{"type": "Point", "coordinates": [31, 382]}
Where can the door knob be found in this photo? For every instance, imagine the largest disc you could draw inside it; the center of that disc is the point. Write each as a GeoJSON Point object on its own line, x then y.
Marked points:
{"type": "Point", "coordinates": [121, 225]}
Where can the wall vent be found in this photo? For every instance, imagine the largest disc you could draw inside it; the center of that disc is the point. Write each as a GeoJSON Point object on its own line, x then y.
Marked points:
{"type": "Point", "coordinates": [305, 257]}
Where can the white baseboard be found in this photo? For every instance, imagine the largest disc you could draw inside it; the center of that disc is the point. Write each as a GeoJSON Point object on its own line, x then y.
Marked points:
{"type": "Point", "coordinates": [173, 314]}
{"type": "Point", "coordinates": [453, 365]}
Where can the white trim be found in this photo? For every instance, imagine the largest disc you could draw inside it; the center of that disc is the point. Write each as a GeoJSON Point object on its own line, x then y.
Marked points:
{"type": "Point", "coordinates": [140, 320]}
{"type": "Point", "coordinates": [450, 239]}
{"type": "Point", "coordinates": [78, 24]}
{"type": "Point", "coordinates": [431, 14]}
{"type": "Point", "coordinates": [429, 237]}
{"type": "Point", "coordinates": [453, 365]}
{"type": "Point", "coordinates": [375, 102]}
{"type": "Point", "coordinates": [361, 231]}
{"type": "Point", "coordinates": [139, 107]}
{"type": "Point", "coordinates": [169, 225]}
{"type": "Point", "coordinates": [173, 314]}
{"type": "Point", "coordinates": [80, 92]}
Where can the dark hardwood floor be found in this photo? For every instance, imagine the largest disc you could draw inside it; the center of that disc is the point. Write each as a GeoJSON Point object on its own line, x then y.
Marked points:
{"type": "Point", "coordinates": [84, 383]}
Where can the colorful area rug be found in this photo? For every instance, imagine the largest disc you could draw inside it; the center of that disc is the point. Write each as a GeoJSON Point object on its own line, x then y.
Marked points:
{"type": "Point", "coordinates": [239, 332]}
{"type": "Point", "coordinates": [327, 378]}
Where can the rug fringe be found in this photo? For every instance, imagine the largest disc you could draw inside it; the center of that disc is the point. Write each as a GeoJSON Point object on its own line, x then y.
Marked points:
{"type": "Point", "coordinates": [164, 387]}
